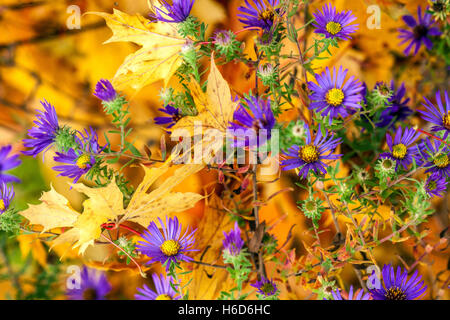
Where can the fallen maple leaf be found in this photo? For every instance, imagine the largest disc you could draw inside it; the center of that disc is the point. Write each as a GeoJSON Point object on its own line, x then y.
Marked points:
{"type": "Point", "coordinates": [106, 205]}
{"type": "Point", "coordinates": [159, 57]}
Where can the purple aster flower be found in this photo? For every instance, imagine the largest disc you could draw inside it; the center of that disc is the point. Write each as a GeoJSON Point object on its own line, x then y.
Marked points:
{"type": "Point", "coordinates": [105, 91]}
{"type": "Point", "coordinates": [6, 195]}
{"type": "Point", "coordinates": [434, 156]}
{"type": "Point", "coordinates": [397, 110]}
{"type": "Point", "coordinates": [8, 163]}
{"type": "Point", "coordinates": [233, 242]}
{"type": "Point", "coordinates": [93, 286]}
{"type": "Point", "coordinates": [359, 295]}
{"type": "Point", "coordinates": [439, 116]}
{"type": "Point", "coordinates": [436, 185]}
{"type": "Point", "coordinates": [421, 30]}
{"type": "Point", "coordinates": [44, 134]}
{"type": "Point", "coordinates": [265, 287]}
{"type": "Point", "coordinates": [167, 247]}
{"type": "Point", "coordinates": [333, 24]}
{"type": "Point", "coordinates": [164, 290]}
{"type": "Point", "coordinates": [401, 149]}
{"type": "Point", "coordinates": [261, 14]}
{"type": "Point", "coordinates": [172, 119]}
{"type": "Point", "coordinates": [176, 13]}
{"type": "Point", "coordinates": [310, 156]}
{"type": "Point", "coordinates": [256, 127]}
{"type": "Point", "coordinates": [79, 162]}
{"type": "Point", "coordinates": [333, 96]}
{"type": "Point", "coordinates": [396, 286]}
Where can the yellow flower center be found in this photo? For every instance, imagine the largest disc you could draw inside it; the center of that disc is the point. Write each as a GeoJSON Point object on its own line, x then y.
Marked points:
{"type": "Point", "coordinates": [163, 297]}
{"type": "Point", "coordinates": [334, 27]}
{"type": "Point", "coordinates": [83, 161]}
{"type": "Point", "coordinates": [335, 96]}
{"type": "Point", "coordinates": [309, 153]}
{"type": "Point", "coordinates": [446, 120]}
{"type": "Point", "coordinates": [170, 248]}
{"type": "Point", "coordinates": [441, 161]}
{"type": "Point", "coordinates": [395, 293]}
{"type": "Point", "coordinates": [2, 205]}
{"type": "Point", "coordinates": [399, 151]}
{"type": "Point", "coordinates": [267, 15]}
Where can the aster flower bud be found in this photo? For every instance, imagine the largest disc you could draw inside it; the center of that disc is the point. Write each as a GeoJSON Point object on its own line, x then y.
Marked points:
{"type": "Point", "coordinates": [386, 167]}
{"type": "Point", "coordinates": [111, 100]}
{"type": "Point", "coordinates": [267, 73]}
{"type": "Point", "coordinates": [381, 94]}
{"type": "Point", "coordinates": [312, 208]}
{"type": "Point", "coordinates": [226, 43]}
{"type": "Point", "coordinates": [65, 139]}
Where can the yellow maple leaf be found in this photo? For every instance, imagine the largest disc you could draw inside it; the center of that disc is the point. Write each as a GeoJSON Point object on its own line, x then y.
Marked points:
{"type": "Point", "coordinates": [159, 57]}
{"type": "Point", "coordinates": [106, 205]}
{"type": "Point", "coordinates": [215, 111]}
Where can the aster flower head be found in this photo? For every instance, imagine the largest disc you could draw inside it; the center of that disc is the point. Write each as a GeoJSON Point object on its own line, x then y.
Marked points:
{"type": "Point", "coordinates": [93, 286]}
{"type": "Point", "coordinates": [358, 295]}
{"type": "Point", "coordinates": [252, 128]}
{"type": "Point", "coordinates": [233, 242]}
{"type": "Point", "coordinates": [265, 287]}
{"type": "Point", "coordinates": [164, 290]}
{"type": "Point", "coordinates": [434, 156]}
{"type": "Point", "coordinates": [6, 196]}
{"type": "Point", "coordinates": [43, 136]}
{"type": "Point", "coordinates": [79, 161]}
{"type": "Point", "coordinates": [334, 24]}
{"type": "Point", "coordinates": [440, 9]}
{"type": "Point", "coordinates": [397, 109]}
{"type": "Point", "coordinates": [260, 14]}
{"type": "Point", "coordinates": [105, 91]}
{"type": "Point", "coordinates": [421, 31]}
{"type": "Point", "coordinates": [401, 147]}
{"type": "Point", "coordinates": [169, 246]}
{"type": "Point", "coordinates": [436, 185]}
{"type": "Point", "coordinates": [333, 96]}
{"type": "Point", "coordinates": [176, 12]}
{"type": "Point", "coordinates": [396, 285]}
{"type": "Point", "coordinates": [174, 115]}
{"type": "Point", "coordinates": [440, 115]}
{"type": "Point", "coordinates": [310, 157]}
{"type": "Point", "coordinates": [8, 162]}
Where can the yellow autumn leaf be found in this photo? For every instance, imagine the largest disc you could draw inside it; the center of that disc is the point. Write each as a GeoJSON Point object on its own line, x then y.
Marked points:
{"type": "Point", "coordinates": [215, 111]}
{"type": "Point", "coordinates": [30, 243]}
{"type": "Point", "coordinates": [106, 205]}
{"type": "Point", "coordinates": [207, 282]}
{"type": "Point", "coordinates": [159, 57]}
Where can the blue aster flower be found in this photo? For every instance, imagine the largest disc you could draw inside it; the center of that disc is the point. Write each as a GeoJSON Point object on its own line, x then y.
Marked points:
{"type": "Point", "coordinates": [248, 128]}
{"type": "Point", "coordinates": [174, 115]}
{"type": "Point", "coordinates": [396, 286]}
{"type": "Point", "coordinates": [164, 290]}
{"type": "Point", "coordinates": [440, 115]}
{"type": "Point", "coordinates": [420, 33]}
{"type": "Point", "coordinates": [401, 148]}
{"type": "Point", "coordinates": [436, 185]}
{"type": "Point", "coordinates": [79, 161]}
{"type": "Point", "coordinates": [105, 91]}
{"type": "Point", "coordinates": [334, 24]}
{"type": "Point", "coordinates": [310, 157]}
{"type": "Point", "coordinates": [93, 286]}
{"type": "Point", "coordinates": [261, 14]}
{"type": "Point", "coordinates": [333, 96]}
{"type": "Point", "coordinates": [397, 110]}
{"type": "Point", "coordinates": [233, 242]}
{"type": "Point", "coordinates": [43, 136]}
{"type": "Point", "coordinates": [8, 162]}
{"type": "Point", "coordinates": [169, 246]}
{"type": "Point", "coordinates": [265, 287]}
{"type": "Point", "coordinates": [359, 295]}
{"type": "Point", "coordinates": [176, 12]}
{"type": "Point", "coordinates": [434, 156]}
{"type": "Point", "coordinates": [6, 196]}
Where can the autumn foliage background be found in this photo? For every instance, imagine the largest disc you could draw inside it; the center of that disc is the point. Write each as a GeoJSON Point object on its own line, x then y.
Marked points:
{"type": "Point", "coordinates": [40, 58]}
